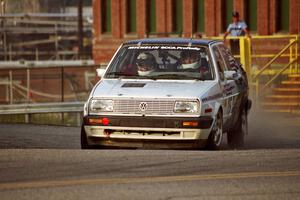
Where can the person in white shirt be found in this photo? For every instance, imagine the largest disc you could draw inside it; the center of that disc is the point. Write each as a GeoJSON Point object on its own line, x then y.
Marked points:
{"type": "Point", "coordinates": [236, 28]}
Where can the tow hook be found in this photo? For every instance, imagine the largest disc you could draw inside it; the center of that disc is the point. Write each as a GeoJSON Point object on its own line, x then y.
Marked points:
{"type": "Point", "coordinates": [107, 133]}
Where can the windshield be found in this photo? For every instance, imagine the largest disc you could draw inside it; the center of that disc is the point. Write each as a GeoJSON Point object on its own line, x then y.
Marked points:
{"type": "Point", "coordinates": [161, 62]}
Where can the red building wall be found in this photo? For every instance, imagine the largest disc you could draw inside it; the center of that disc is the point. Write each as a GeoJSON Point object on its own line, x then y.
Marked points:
{"type": "Point", "coordinates": [104, 45]}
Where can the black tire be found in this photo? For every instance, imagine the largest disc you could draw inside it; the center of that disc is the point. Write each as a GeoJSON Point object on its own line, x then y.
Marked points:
{"type": "Point", "coordinates": [236, 136]}
{"type": "Point", "coordinates": [216, 135]}
{"type": "Point", "coordinates": [83, 139]}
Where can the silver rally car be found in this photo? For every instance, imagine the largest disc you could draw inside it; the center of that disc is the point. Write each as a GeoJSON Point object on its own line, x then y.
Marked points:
{"type": "Point", "coordinates": [168, 93]}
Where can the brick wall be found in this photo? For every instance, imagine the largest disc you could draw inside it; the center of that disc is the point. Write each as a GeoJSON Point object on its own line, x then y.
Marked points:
{"type": "Point", "coordinates": [104, 45]}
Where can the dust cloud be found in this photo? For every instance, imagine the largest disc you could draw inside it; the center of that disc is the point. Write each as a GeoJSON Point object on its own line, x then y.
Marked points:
{"type": "Point", "coordinates": [273, 130]}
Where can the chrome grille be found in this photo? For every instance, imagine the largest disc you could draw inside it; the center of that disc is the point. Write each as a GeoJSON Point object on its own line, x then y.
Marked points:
{"type": "Point", "coordinates": [154, 107]}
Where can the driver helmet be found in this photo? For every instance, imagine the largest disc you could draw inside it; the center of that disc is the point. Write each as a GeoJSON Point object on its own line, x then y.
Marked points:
{"type": "Point", "coordinates": [145, 63]}
{"type": "Point", "coordinates": [190, 59]}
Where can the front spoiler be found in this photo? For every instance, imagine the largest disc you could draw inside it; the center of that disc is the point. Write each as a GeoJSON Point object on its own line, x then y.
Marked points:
{"type": "Point", "coordinates": [141, 143]}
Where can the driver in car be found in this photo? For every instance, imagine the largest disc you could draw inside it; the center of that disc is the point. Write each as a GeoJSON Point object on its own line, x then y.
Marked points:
{"type": "Point", "coordinates": [146, 64]}
{"type": "Point", "coordinates": [192, 61]}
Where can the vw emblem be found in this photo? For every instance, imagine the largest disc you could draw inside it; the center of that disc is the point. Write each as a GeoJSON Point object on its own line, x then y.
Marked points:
{"type": "Point", "coordinates": [143, 106]}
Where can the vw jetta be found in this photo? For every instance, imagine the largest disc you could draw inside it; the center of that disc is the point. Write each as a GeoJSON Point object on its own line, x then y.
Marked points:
{"type": "Point", "coordinates": [168, 93]}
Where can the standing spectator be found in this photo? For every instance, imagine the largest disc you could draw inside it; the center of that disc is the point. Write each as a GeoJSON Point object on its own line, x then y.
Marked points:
{"type": "Point", "coordinates": [236, 28]}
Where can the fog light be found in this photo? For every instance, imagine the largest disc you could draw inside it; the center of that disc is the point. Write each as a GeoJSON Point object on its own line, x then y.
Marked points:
{"type": "Point", "coordinates": [98, 121]}
{"type": "Point", "coordinates": [94, 121]}
{"type": "Point", "coordinates": [193, 124]}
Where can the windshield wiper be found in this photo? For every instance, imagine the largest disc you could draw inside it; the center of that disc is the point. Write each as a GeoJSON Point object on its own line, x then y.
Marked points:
{"type": "Point", "coordinates": [177, 76]}
{"type": "Point", "coordinates": [116, 73]}
{"type": "Point", "coordinates": [147, 77]}
{"type": "Point", "coordinates": [125, 75]}
{"type": "Point", "coordinates": [119, 75]}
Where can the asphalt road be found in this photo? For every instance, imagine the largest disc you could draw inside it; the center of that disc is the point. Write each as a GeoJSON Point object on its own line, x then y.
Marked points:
{"type": "Point", "coordinates": [45, 162]}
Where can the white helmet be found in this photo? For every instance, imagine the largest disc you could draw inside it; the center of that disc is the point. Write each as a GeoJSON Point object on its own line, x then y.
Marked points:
{"type": "Point", "coordinates": [193, 65]}
{"type": "Point", "coordinates": [146, 64]}
{"type": "Point", "coordinates": [190, 60]}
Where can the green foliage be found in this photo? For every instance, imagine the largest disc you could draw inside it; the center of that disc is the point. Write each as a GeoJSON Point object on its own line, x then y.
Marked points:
{"type": "Point", "coordinates": [66, 119]}
{"type": "Point", "coordinates": [12, 118]}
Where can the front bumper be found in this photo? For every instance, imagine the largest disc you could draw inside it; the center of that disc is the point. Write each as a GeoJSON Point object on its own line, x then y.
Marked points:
{"type": "Point", "coordinates": [129, 131]}
{"type": "Point", "coordinates": [151, 122]}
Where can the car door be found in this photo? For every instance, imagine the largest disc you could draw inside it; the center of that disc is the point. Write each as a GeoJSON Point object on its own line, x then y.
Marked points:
{"type": "Point", "coordinates": [224, 84]}
{"type": "Point", "coordinates": [233, 86]}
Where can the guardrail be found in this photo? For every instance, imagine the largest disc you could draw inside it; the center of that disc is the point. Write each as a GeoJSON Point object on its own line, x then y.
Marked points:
{"type": "Point", "coordinates": [44, 108]}
{"type": "Point", "coordinates": [25, 81]}
{"type": "Point", "coordinates": [59, 107]}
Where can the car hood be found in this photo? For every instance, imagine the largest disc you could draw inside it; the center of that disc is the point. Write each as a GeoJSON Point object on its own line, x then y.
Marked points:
{"type": "Point", "coordinates": [152, 89]}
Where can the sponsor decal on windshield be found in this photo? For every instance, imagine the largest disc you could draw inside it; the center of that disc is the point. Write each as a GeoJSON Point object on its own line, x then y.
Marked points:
{"type": "Point", "coordinates": [165, 47]}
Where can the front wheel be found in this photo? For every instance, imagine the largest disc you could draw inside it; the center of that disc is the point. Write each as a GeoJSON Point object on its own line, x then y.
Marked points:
{"type": "Point", "coordinates": [236, 137]}
{"type": "Point", "coordinates": [216, 135]}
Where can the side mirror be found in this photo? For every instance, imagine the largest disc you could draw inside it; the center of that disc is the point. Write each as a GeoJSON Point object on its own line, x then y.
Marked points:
{"type": "Point", "coordinates": [232, 75]}
{"type": "Point", "coordinates": [100, 72]}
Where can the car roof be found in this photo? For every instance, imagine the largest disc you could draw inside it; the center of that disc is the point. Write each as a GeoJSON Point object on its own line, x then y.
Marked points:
{"type": "Point", "coordinates": [181, 41]}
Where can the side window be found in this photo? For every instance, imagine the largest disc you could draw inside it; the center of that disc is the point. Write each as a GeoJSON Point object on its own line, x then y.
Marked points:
{"type": "Point", "coordinates": [220, 62]}
{"type": "Point", "coordinates": [230, 61]}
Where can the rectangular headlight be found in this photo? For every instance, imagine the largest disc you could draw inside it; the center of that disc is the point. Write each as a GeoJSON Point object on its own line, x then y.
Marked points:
{"type": "Point", "coordinates": [101, 105]}
{"type": "Point", "coordinates": [186, 107]}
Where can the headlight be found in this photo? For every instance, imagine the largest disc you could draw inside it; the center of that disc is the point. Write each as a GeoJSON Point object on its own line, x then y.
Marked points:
{"type": "Point", "coordinates": [186, 107]}
{"type": "Point", "coordinates": [101, 105]}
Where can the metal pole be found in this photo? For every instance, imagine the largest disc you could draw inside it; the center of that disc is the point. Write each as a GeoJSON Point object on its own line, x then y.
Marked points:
{"type": "Point", "coordinates": [10, 52]}
{"type": "Point", "coordinates": [291, 57]}
{"type": "Point", "coordinates": [2, 7]}
{"type": "Point", "coordinates": [7, 90]}
{"type": "Point", "coordinates": [28, 85]}
{"type": "Point", "coordinates": [62, 84]}
{"type": "Point", "coordinates": [10, 87]}
{"type": "Point", "coordinates": [80, 29]}
{"type": "Point", "coordinates": [62, 92]}
{"type": "Point", "coordinates": [2, 27]}
{"type": "Point", "coordinates": [1, 22]}
{"type": "Point", "coordinates": [56, 43]}
{"type": "Point", "coordinates": [27, 116]}
{"type": "Point", "coordinates": [36, 54]}
{"type": "Point", "coordinates": [5, 46]}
